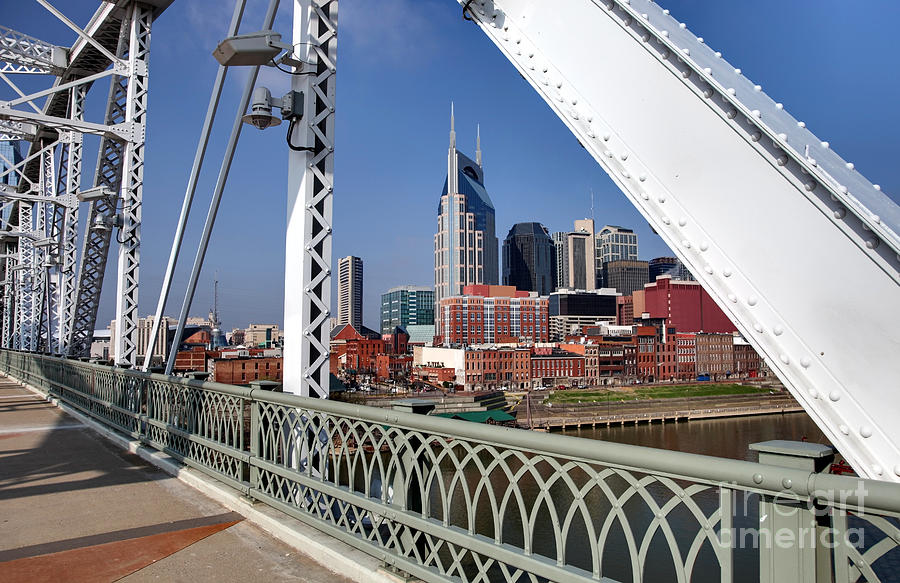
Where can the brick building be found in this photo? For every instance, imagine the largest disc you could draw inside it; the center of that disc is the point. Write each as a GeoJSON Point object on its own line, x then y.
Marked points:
{"type": "Point", "coordinates": [492, 314]}
{"type": "Point", "coordinates": [715, 355]}
{"type": "Point", "coordinates": [392, 366]}
{"type": "Point", "coordinates": [435, 376]}
{"type": "Point", "coordinates": [497, 368]}
{"type": "Point", "coordinates": [552, 367]}
{"type": "Point", "coordinates": [355, 349]}
{"type": "Point", "coordinates": [746, 359]}
{"type": "Point", "coordinates": [683, 305]}
{"type": "Point", "coordinates": [240, 371]}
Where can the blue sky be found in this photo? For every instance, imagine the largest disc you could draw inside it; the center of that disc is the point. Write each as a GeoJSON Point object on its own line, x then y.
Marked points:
{"type": "Point", "coordinates": [400, 63]}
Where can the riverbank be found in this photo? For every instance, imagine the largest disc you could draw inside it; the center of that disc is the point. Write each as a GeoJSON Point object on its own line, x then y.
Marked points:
{"type": "Point", "coordinates": [554, 416]}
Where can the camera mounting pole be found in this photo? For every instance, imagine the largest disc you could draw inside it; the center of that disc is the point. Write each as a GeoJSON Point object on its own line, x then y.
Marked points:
{"type": "Point", "coordinates": [307, 277]}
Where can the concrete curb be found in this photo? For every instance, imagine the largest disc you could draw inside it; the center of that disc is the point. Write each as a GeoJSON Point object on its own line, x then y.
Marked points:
{"type": "Point", "coordinates": [329, 552]}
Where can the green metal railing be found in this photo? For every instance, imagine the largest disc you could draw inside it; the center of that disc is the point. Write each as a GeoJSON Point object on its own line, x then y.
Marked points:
{"type": "Point", "coordinates": [450, 500]}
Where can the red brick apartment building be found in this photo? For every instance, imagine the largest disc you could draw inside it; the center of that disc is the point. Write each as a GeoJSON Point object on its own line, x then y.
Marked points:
{"type": "Point", "coordinates": [684, 305]}
{"type": "Point", "coordinates": [492, 314]}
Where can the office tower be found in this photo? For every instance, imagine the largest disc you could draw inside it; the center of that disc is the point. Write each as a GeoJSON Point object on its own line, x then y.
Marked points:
{"type": "Point", "coordinates": [465, 245]}
{"type": "Point", "coordinates": [561, 259]}
{"type": "Point", "coordinates": [406, 305]}
{"type": "Point", "coordinates": [614, 243]}
{"type": "Point", "coordinates": [528, 255]}
{"type": "Point", "coordinates": [580, 250]}
{"type": "Point", "coordinates": [350, 291]}
{"type": "Point", "coordinates": [9, 157]}
{"type": "Point", "coordinates": [571, 311]}
{"type": "Point", "coordinates": [670, 266]}
{"type": "Point", "coordinates": [625, 276]}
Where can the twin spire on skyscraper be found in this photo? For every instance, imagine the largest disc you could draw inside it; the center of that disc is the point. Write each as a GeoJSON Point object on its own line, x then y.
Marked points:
{"type": "Point", "coordinates": [477, 137]}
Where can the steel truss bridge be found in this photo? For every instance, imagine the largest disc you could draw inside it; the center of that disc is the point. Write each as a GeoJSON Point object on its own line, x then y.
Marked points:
{"type": "Point", "coordinates": [683, 134]}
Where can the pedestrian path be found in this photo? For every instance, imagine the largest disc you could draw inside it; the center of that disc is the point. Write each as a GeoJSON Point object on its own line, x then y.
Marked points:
{"type": "Point", "coordinates": [74, 507]}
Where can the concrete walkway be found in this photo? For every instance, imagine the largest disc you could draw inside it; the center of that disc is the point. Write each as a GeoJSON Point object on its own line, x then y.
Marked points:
{"type": "Point", "coordinates": [74, 507]}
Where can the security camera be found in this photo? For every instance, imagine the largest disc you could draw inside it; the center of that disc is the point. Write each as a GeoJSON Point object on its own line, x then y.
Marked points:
{"type": "Point", "coordinates": [260, 115]}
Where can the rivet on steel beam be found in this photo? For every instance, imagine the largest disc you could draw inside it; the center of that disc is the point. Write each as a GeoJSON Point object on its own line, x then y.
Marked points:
{"type": "Point", "coordinates": [666, 220]}
{"type": "Point", "coordinates": [897, 470]}
{"type": "Point", "coordinates": [704, 246]}
{"type": "Point", "coordinates": [850, 166]}
{"type": "Point", "coordinates": [756, 113]}
{"type": "Point", "coordinates": [608, 154]}
{"type": "Point", "coordinates": [686, 244]}
{"type": "Point", "coordinates": [877, 470]}
{"type": "Point", "coordinates": [787, 483]}
{"type": "Point", "coordinates": [682, 221]}
{"type": "Point", "coordinates": [844, 189]}
{"type": "Point", "coordinates": [707, 93]}
{"type": "Point", "coordinates": [844, 429]}
{"type": "Point", "coordinates": [758, 478]}
{"type": "Point", "coordinates": [812, 162]}
{"type": "Point", "coordinates": [834, 396]}
{"type": "Point", "coordinates": [810, 186]}
{"type": "Point", "coordinates": [642, 177]}
{"type": "Point", "coordinates": [645, 16]}
{"type": "Point", "coordinates": [825, 144]}
{"type": "Point", "coordinates": [708, 269]}
{"type": "Point", "coordinates": [661, 199]}
{"type": "Point", "coordinates": [865, 431]}
{"type": "Point", "coordinates": [700, 39]}
{"type": "Point", "coordinates": [605, 137]}
{"type": "Point", "coordinates": [784, 358]}
{"type": "Point", "coordinates": [708, 71]}
{"type": "Point", "coordinates": [800, 124]}
{"type": "Point", "coordinates": [686, 73]}
{"type": "Point", "coordinates": [778, 330]}
{"type": "Point", "coordinates": [782, 136]}
{"type": "Point", "coordinates": [876, 186]}
{"type": "Point", "coordinates": [682, 25]}
{"type": "Point", "coordinates": [731, 91]}
{"type": "Point", "coordinates": [627, 21]}
{"type": "Point", "coordinates": [665, 33]}
{"type": "Point", "coordinates": [876, 219]}
{"type": "Point", "coordinates": [686, 51]}
{"type": "Point", "coordinates": [779, 106]}
{"type": "Point", "coordinates": [718, 55]}
{"type": "Point", "coordinates": [872, 243]}
{"type": "Point", "coordinates": [732, 298]}
{"type": "Point", "coordinates": [805, 362]}
{"type": "Point", "coordinates": [757, 87]}
{"type": "Point", "coordinates": [814, 393]}
{"type": "Point", "coordinates": [666, 11]}
{"type": "Point", "coordinates": [727, 273]}
{"type": "Point", "coordinates": [625, 174]}
{"type": "Point", "coordinates": [732, 113]}
{"type": "Point", "coordinates": [782, 160]}
{"type": "Point", "coordinates": [645, 196]}
{"type": "Point", "coordinates": [756, 136]}
{"type": "Point", "coordinates": [624, 156]}
{"type": "Point", "coordinates": [840, 213]}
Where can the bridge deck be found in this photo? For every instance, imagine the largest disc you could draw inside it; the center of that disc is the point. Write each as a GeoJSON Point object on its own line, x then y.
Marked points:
{"type": "Point", "coordinates": [74, 507]}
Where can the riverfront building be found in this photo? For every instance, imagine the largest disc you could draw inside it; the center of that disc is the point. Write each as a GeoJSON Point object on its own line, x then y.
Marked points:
{"type": "Point", "coordinates": [465, 244]}
{"type": "Point", "coordinates": [571, 310]}
{"type": "Point", "coordinates": [528, 256]}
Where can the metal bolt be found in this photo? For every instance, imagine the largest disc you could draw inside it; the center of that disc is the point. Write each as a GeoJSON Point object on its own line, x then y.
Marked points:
{"type": "Point", "coordinates": [787, 483]}
{"type": "Point", "coordinates": [840, 213]}
{"type": "Point", "coordinates": [872, 243]}
{"type": "Point", "coordinates": [758, 478]}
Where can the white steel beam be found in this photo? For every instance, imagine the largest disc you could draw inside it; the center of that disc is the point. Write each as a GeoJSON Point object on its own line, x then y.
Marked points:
{"type": "Point", "coordinates": [307, 277]}
{"type": "Point", "coordinates": [754, 204]}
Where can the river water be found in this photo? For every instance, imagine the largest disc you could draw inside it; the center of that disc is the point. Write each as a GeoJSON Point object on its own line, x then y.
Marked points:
{"type": "Point", "coordinates": [726, 437]}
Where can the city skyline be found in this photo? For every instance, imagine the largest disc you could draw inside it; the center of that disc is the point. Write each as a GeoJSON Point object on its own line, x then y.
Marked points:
{"type": "Point", "coordinates": [387, 156]}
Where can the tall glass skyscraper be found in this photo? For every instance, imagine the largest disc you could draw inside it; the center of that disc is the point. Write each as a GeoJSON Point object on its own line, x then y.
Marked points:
{"type": "Point", "coordinates": [9, 157]}
{"type": "Point", "coordinates": [465, 245]}
{"type": "Point", "coordinates": [528, 256]}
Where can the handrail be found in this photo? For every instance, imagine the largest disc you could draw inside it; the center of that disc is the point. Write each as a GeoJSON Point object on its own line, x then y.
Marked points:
{"type": "Point", "coordinates": [445, 499]}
